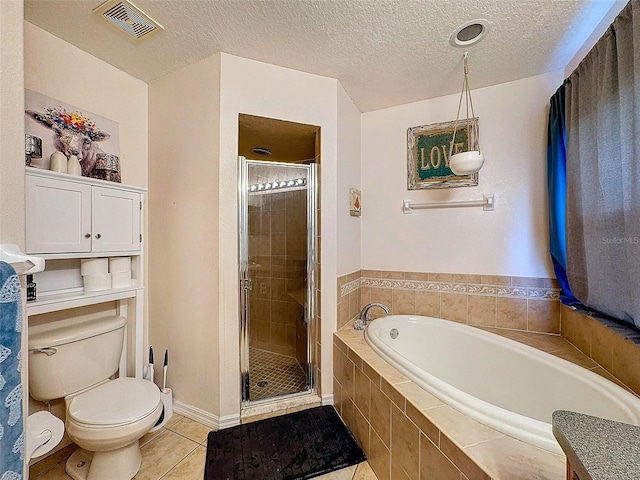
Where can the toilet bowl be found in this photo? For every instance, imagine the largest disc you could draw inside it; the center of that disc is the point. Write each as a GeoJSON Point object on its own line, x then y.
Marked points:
{"type": "Point", "coordinates": [107, 421]}
{"type": "Point", "coordinates": [104, 417]}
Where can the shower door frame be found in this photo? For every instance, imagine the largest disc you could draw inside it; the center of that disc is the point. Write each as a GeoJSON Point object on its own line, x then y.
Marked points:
{"type": "Point", "coordinates": [245, 284]}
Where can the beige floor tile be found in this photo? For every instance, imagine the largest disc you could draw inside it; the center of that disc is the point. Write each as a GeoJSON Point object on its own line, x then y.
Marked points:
{"type": "Point", "coordinates": [48, 462]}
{"type": "Point", "coordinates": [364, 472]}
{"type": "Point", "coordinates": [150, 436]}
{"type": "Point", "coordinates": [192, 430]}
{"type": "Point", "coordinates": [54, 473]}
{"type": "Point", "coordinates": [191, 468]}
{"type": "Point", "coordinates": [342, 474]}
{"type": "Point", "coordinates": [510, 459]}
{"type": "Point", "coordinates": [162, 454]}
{"type": "Point", "coordinates": [175, 418]}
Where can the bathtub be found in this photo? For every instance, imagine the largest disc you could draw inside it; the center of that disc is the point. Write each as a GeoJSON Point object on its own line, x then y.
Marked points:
{"type": "Point", "coordinates": [506, 385]}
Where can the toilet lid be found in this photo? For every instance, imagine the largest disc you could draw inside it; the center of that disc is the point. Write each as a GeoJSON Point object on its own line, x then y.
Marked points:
{"type": "Point", "coordinates": [120, 401]}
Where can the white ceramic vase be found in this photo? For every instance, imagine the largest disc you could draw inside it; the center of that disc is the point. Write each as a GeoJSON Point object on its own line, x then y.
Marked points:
{"type": "Point", "coordinates": [58, 162]}
{"type": "Point", "coordinates": [73, 166]}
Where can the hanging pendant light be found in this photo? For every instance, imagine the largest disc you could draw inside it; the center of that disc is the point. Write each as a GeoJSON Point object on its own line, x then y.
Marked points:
{"type": "Point", "coordinates": [465, 163]}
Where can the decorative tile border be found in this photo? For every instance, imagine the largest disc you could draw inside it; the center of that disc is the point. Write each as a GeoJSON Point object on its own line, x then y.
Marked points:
{"type": "Point", "coordinates": [518, 303]}
{"type": "Point", "coordinates": [347, 288]}
{"type": "Point", "coordinates": [450, 287]}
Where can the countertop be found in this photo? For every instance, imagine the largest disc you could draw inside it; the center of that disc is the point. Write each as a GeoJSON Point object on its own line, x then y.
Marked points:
{"type": "Point", "coordinates": [598, 449]}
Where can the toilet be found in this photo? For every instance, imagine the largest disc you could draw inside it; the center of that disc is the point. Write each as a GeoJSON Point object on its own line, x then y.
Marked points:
{"type": "Point", "coordinates": [105, 417]}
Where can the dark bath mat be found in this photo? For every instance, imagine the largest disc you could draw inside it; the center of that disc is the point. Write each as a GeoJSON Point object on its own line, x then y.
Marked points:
{"type": "Point", "coordinates": [300, 445]}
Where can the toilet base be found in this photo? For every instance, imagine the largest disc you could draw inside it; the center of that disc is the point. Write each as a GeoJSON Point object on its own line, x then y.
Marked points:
{"type": "Point", "coordinates": [120, 464]}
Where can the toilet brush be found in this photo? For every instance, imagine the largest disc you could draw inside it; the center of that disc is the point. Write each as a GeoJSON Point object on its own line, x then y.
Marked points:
{"type": "Point", "coordinates": [165, 366]}
{"type": "Point", "coordinates": [151, 376]}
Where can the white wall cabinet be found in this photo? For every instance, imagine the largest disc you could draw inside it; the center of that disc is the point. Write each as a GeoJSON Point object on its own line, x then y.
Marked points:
{"type": "Point", "coordinates": [69, 218]}
{"type": "Point", "coordinates": [76, 215]}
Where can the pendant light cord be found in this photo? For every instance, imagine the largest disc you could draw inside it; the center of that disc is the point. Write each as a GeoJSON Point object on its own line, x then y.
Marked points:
{"type": "Point", "coordinates": [466, 93]}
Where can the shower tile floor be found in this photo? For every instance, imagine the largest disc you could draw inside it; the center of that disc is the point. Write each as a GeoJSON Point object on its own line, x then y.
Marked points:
{"type": "Point", "coordinates": [282, 374]}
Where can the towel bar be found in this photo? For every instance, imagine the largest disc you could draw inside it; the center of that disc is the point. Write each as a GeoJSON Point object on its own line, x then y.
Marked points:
{"type": "Point", "coordinates": [487, 204]}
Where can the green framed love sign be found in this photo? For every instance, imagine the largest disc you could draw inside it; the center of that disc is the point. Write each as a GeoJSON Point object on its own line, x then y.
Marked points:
{"type": "Point", "coordinates": [428, 154]}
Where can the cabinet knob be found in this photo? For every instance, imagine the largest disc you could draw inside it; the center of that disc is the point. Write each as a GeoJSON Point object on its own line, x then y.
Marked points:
{"type": "Point", "coordinates": [98, 236]}
{"type": "Point", "coordinates": [87, 235]}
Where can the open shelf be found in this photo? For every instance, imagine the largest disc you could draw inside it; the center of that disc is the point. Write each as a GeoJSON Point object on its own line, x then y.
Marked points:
{"type": "Point", "coordinates": [63, 301]}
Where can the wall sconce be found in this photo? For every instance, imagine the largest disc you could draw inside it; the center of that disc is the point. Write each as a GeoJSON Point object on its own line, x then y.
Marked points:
{"type": "Point", "coordinates": [465, 163]}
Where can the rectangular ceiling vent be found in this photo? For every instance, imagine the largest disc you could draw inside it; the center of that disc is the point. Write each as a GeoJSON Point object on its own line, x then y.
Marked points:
{"type": "Point", "coordinates": [126, 16]}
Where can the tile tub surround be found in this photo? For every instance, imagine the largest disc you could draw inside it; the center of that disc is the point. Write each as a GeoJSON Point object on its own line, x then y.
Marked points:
{"type": "Point", "coordinates": [614, 346]}
{"type": "Point", "coordinates": [520, 303]}
{"type": "Point", "coordinates": [409, 434]}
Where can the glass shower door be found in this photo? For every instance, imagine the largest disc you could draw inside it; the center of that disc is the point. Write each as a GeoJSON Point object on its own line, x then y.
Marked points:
{"type": "Point", "coordinates": [277, 272]}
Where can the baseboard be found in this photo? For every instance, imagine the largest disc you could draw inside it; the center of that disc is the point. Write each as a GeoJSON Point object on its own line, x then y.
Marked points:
{"type": "Point", "coordinates": [204, 417]}
{"type": "Point", "coordinates": [215, 422]}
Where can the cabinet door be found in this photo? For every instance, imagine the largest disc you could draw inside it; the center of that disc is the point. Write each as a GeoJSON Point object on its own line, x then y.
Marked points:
{"type": "Point", "coordinates": [58, 216]}
{"type": "Point", "coordinates": [115, 220]}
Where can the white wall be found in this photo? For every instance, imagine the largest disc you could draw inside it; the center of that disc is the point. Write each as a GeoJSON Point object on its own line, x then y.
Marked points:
{"type": "Point", "coordinates": [348, 227]}
{"type": "Point", "coordinates": [512, 240]}
{"type": "Point", "coordinates": [255, 88]}
{"type": "Point", "coordinates": [183, 230]}
{"type": "Point", "coordinates": [12, 219]}
{"type": "Point", "coordinates": [11, 131]}
{"type": "Point", "coordinates": [62, 71]}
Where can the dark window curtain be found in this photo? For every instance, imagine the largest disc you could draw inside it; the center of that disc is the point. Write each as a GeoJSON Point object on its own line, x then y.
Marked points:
{"type": "Point", "coordinates": [557, 191]}
{"type": "Point", "coordinates": [603, 178]}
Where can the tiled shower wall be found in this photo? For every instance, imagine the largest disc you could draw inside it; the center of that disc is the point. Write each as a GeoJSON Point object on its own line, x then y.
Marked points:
{"type": "Point", "coordinates": [521, 303]}
{"type": "Point", "coordinates": [277, 262]}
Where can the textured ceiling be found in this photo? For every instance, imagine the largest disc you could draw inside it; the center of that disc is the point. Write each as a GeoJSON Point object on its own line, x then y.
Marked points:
{"type": "Point", "coordinates": [384, 52]}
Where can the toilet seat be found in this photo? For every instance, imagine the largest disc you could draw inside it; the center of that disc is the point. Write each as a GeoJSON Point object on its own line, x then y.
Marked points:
{"type": "Point", "coordinates": [117, 402]}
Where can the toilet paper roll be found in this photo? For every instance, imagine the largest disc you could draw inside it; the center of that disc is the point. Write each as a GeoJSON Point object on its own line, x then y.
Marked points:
{"type": "Point", "coordinates": [120, 279]}
{"type": "Point", "coordinates": [119, 264]}
{"type": "Point", "coordinates": [95, 283]}
{"type": "Point", "coordinates": [44, 432]}
{"type": "Point", "coordinates": [94, 266]}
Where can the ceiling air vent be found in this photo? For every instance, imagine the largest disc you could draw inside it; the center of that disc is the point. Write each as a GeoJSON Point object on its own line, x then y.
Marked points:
{"type": "Point", "coordinates": [126, 16]}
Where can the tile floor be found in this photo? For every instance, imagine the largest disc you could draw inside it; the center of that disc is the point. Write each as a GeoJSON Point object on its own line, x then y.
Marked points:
{"type": "Point", "coordinates": [175, 452]}
{"type": "Point", "coordinates": [282, 374]}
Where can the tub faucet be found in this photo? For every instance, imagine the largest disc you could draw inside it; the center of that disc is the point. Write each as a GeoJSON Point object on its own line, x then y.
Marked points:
{"type": "Point", "coordinates": [363, 318]}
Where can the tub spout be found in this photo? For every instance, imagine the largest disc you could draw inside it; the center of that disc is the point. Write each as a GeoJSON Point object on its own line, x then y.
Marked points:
{"type": "Point", "coordinates": [363, 318]}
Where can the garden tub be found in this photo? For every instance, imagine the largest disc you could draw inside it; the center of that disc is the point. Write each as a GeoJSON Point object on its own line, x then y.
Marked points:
{"type": "Point", "coordinates": [506, 385]}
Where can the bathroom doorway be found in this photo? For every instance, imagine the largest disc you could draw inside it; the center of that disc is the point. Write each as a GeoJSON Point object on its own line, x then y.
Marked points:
{"type": "Point", "coordinates": [278, 257]}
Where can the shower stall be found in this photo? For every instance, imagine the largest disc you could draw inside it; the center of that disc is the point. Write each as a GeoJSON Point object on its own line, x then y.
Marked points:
{"type": "Point", "coordinates": [277, 249]}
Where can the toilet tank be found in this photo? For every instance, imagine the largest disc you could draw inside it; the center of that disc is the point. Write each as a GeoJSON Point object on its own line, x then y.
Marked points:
{"type": "Point", "coordinates": [69, 355]}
